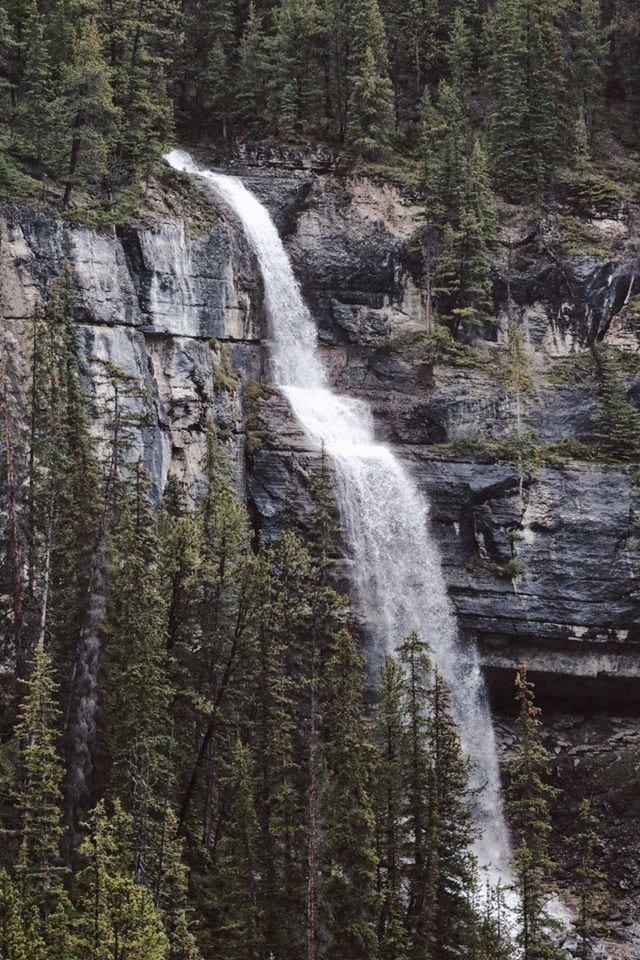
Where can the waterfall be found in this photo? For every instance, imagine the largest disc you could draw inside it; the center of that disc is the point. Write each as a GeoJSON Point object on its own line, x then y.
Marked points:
{"type": "Point", "coordinates": [398, 576]}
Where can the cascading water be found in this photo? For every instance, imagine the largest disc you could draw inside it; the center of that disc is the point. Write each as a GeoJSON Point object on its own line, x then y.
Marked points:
{"type": "Point", "coordinates": [398, 572]}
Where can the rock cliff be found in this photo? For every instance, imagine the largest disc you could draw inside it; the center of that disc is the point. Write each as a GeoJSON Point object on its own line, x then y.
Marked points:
{"type": "Point", "coordinates": [541, 550]}
{"type": "Point", "coordinates": [541, 554]}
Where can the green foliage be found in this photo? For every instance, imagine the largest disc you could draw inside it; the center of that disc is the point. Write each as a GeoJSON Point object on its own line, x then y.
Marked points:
{"type": "Point", "coordinates": [38, 867]}
{"type": "Point", "coordinates": [93, 93]}
{"type": "Point", "coordinates": [617, 417]}
{"type": "Point", "coordinates": [588, 878]}
{"type": "Point", "coordinates": [117, 919]}
{"type": "Point", "coordinates": [207, 774]}
{"type": "Point", "coordinates": [528, 79]}
{"type": "Point", "coordinates": [529, 795]}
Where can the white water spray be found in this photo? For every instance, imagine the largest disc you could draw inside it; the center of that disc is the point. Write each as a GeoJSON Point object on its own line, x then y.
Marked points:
{"type": "Point", "coordinates": [397, 567]}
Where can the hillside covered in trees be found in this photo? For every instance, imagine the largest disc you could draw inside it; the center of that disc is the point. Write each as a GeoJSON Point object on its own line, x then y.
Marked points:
{"type": "Point", "coordinates": [93, 92]}
{"type": "Point", "coordinates": [194, 763]}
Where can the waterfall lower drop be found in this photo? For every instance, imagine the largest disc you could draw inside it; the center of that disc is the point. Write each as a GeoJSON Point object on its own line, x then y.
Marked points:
{"type": "Point", "coordinates": [398, 571]}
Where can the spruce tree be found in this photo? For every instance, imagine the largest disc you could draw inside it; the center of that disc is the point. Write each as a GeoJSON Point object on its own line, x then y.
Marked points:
{"type": "Point", "coordinates": [298, 66]}
{"type": "Point", "coordinates": [451, 831]}
{"type": "Point", "coordinates": [135, 681]}
{"type": "Point", "coordinates": [348, 900]}
{"type": "Point", "coordinates": [115, 918]}
{"type": "Point", "coordinates": [39, 870]}
{"type": "Point", "coordinates": [171, 894]}
{"type": "Point", "coordinates": [369, 100]}
{"type": "Point", "coordinates": [507, 45]}
{"type": "Point", "coordinates": [617, 417]}
{"type": "Point", "coordinates": [253, 71]}
{"type": "Point", "coordinates": [463, 269]}
{"type": "Point", "coordinates": [528, 797]}
{"type": "Point", "coordinates": [280, 783]}
{"type": "Point", "coordinates": [588, 878]}
{"type": "Point", "coordinates": [590, 48]}
{"type": "Point", "coordinates": [391, 835]}
{"type": "Point", "coordinates": [14, 943]}
{"type": "Point", "coordinates": [420, 913]}
{"type": "Point", "coordinates": [239, 918]}
{"type": "Point", "coordinates": [90, 111]}
{"type": "Point", "coordinates": [37, 114]}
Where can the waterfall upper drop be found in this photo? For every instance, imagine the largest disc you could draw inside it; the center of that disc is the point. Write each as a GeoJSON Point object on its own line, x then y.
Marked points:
{"type": "Point", "coordinates": [398, 573]}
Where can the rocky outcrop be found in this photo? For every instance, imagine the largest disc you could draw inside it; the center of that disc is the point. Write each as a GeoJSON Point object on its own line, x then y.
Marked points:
{"type": "Point", "coordinates": [541, 552]}
{"type": "Point", "coordinates": [542, 559]}
{"type": "Point", "coordinates": [172, 308]}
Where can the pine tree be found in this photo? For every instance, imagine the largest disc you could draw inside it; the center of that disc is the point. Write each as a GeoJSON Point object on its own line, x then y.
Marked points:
{"type": "Point", "coordinates": [14, 944]}
{"type": "Point", "coordinates": [506, 43]}
{"type": "Point", "coordinates": [390, 825]}
{"type": "Point", "coordinates": [582, 139]}
{"type": "Point", "coordinates": [39, 797]}
{"type": "Point", "coordinates": [588, 878]}
{"type": "Point", "coordinates": [227, 595]}
{"type": "Point", "coordinates": [369, 94]}
{"type": "Point", "coordinates": [617, 418]}
{"type": "Point", "coordinates": [89, 107]}
{"type": "Point", "coordinates": [451, 831]}
{"type": "Point", "coordinates": [459, 57]}
{"type": "Point", "coordinates": [298, 66]}
{"type": "Point", "coordinates": [37, 113]}
{"type": "Point", "coordinates": [253, 71]}
{"type": "Point", "coordinates": [115, 917]}
{"type": "Point", "coordinates": [463, 270]}
{"type": "Point", "coordinates": [546, 90]}
{"type": "Point", "coordinates": [135, 683]}
{"type": "Point", "coordinates": [590, 48]}
{"type": "Point", "coordinates": [171, 895]}
{"type": "Point", "coordinates": [529, 795]}
{"type": "Point", "coordinates": [348, 860]}
{"type": "Point", "coordinates": [279, 769]}
{"type": "Point", "coordinates": [414, 657]}
{"type": "Point", "coordinates": [239, 921]}
{"type": "Point", "coordinates": [140, 40]}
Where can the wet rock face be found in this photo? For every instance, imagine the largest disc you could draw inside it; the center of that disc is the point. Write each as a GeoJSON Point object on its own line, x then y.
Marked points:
{"type": "Point", "coordinates": [542, 563]}
{"type": "Point", "coordinates": [165, 306]}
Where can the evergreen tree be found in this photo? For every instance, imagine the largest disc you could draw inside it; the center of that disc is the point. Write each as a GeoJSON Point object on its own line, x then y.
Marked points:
{"type": "Point", "coordinates": [588, 879]}
{"type": "Point", "coordinates": [617, 418]}
{"type": "Point", "coordinates": [507, 45]}
{"type": "Point", "coordinates": [590, 48]}
{"type": "Point", "coordinates": [39, 797]}
{"type": "Point", "coordinates": [116, 919]}
{"type": "Point", "coordinates": [253, 71]}
{"type": "Point", "coordinates": [37, 112]}
{"type": "Point", "coordinates": [370, 110]}
{"type": "Point", "coordinates": [135, 683]}
{"type": "Point", "coordinates": [14, 944]}
{"type": "Point", "coordinates": [239, 920]}
{"type": "Point", "coordinates": [390, 824]}
{"type": "Point", "coordinates": [529, 795]}
{"type": "Point", "coordinates": [280, 788]}
{"type": "Point", "coordinates": [89, 108]}
{"type": "Point", "coordinates": [298, 64]}
{"type": "Point", "coordinates": [171, 895]}
{"type": "Point", "coordinates": [349, 864]}
{"type": "Point", "coordinates": [420, 913]}
{"type": "Point", "coordinates": [459, 57]}
{"type": "Point", "coordinates": [463, 271]}
{"type": "Point", "coordinates": [546, 90]}
{"type": "Point", "coordinates": [451, 831]}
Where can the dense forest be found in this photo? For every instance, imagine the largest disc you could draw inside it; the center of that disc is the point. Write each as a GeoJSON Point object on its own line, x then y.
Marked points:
{"type": "Point", "coordinates": [92, 92]}
{"type": "Point", "coordinates": [193, 761]}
